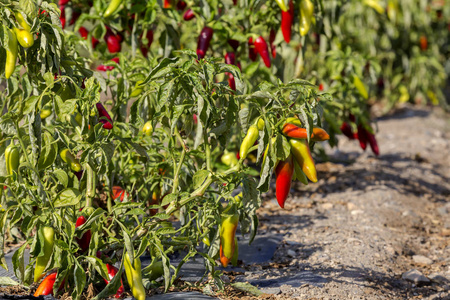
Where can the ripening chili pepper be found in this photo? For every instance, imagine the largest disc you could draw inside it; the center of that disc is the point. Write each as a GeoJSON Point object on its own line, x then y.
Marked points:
{"type": "Point", "coordinates": [155, 200]}
{"type": "Point", "coordinates": [206, 241]}
{"type": "Point", "coordinates": [287, 18]}
{"type": "Point", "coordinates": [134, 276]}
{"type": "Point", "coordinates": [148, 128]}
{"type": "Point", "coordinates": [306, 16]}
{"type": "Point", "coordinates": [423, 43]}
{"type": "Point", "coordinates": [167, 4]}
{"type": "Point", "coordinates": [252, 54]}
{"type": "Point", "coordinates": [112, 271]}
{"type": "Point", "coordinates": [112, 8]}
{"type": "Point", "coordinates": [284, 172]}
{"type": "Point", "coordinates": [12, 159]}
{"type": "Point", "coordinates": [137, 90]}
{"type": "Point", "coordinates": [188, 15]}
{"type": "Point", "coordinates": [262, 49]}
{"type": "Point", "coordinates": [321, 87]}
{"type": "Point", "coordinates": [113, 41]}
{"type": "Point", "coordinates": [105, 119]}
{"type": "Point", "coordinates": [362, 137]}
{"type": "Point", "coordinates": [282, 5]}
{"type": "Point", "coordinates": [91, 181]}
{"type": "Point", "coordinates": [85, 240]}
{"type": "Point", "coordinates": [23, 35]}
{"type": "Point", "coordinates": [11, 54]}
{"type": "Point", "coordinates": [203, 41]}
{"type": "Point", "coordinates": [70, 159]}
{"type": "Point", "coordinates": [63, 2]}
{"type": "Point", "coordinates": [94, 42]}
{"type": "Point", "coordinates": [346, 130]}
{"type": "Point", "coordinates": [83, 32]}
{"type": "Point", "coordinates": [62, 17]}
{"type": "Point", "coordinates": [251, 137]}
{"type": "Point", "coordinates": [117, 192]}
{"type": "Point", "coordinates": [234, 44]}
{"type": "Point", "coordinates": [360, 86]}
{"type": "Point", "coordinates": [228, 228]}
{"type": "Point", "coordinates": [42, 261]}
{"type": "Point", "coordinates": [234, 259]}
{"type": "Point", "coordinates": [301, 152]}
{"type": "Point", "coordinates": [272, 36]}
{"type": "Point", "coordinates": [75, 15]}
{"type": "Point", "coordinates": [375, 4]}
{"type": "Point", "coordinates": [293, 131]}
{"type": "Point", "coordinates": [46, 286]}
{"type": "Point", "coordinates": [21, 20]}
{"type": "Point", "coordinates": [229, 159]}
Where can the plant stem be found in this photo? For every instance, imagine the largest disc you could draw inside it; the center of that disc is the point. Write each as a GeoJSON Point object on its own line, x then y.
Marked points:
{"type": "Point", "coordinates": [207, 151]}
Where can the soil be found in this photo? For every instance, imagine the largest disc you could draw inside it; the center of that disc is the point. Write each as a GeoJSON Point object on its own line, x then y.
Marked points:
{"type": "Point", "coordinates": [364, 224]}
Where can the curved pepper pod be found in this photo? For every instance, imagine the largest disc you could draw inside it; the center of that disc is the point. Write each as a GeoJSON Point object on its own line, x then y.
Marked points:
{"type": "Point", "coordinates": [203, 41]}
{"type": "Point", "coordinates": [252, 54]}
{"type": "Point", "coordinates": [284, 172]}
{"type": "Point", "coordinates": [262, 49]}
{"type": "Point", "coordinates": [21, 20]}
{"type": "Point", "coordinates": [293, 131]}
{"type": "Point", "coordinates": [306, 15]}
{"type": "Point", "coordinates": [12, 159]}
{"type": "Point", "coordinates": [359, 85]}
{"type": "Point", "coordinates": [227, 234]}
{"type": "Point", "coordinates": [287, 18]}
{"type": "Point", "coordinates": [46, 286]}
{"type": "Point", "coordinates": [248, 141]}
{"type": "Point", "coordinates": [373, 143]}
{"type": "Point", "coordinates": [189, 15]}
{"type": "Point", "coordinates": [112, 41]}
{"type": "Point", "coordinates": [362, 137]}
{"type": "Point", "coordinates": [85, 240]}
{"type": "Point", "coordinates": [230, 59]}
{"type": "Point", "coordinates": [105, 119]}
{"type": "Point", "coordinates": [11, 54]}
{"type": "Point", "coordinates": [112, 8]}
{"type": "Point", "coordinates": [42, 261]}
{"type": "Point", "coordinates": [148, 128]}
{"type": "Point", "coordinates": [134, 276]}
{"type": "Point", "coordinates": [145, 49]}
{"type": "Point", "coordinates": [301, 152]}
{"type": "Point", "coordinates": [24, 37]}
{"type": "Point", "coordinates": [272, 36]}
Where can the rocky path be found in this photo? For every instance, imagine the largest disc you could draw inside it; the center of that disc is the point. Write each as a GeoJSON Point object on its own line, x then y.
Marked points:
{"type": "Point", "coordinates": [372, 227]}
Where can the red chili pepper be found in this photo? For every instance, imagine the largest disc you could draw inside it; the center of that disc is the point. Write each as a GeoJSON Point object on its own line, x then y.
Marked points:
{"type": "Point", "coordinates": [46, 286]}
{"type": "Point", "coordinates": [85, 240]}
{"type": "Point", "coordinates": [117, 192]}
{"type": "Point", "coordinates": [230, 59]}
{"type": "Point", "coordinates": [347, 131]}
{"type": "Point", "coordinates": [181, 5]}
{"type": "Point", "coordinates": [321, 87]}
{"type": "Point", "coordinates": [104, 68]}
{"type": "Point", "coordinates": [203, 41]}
{"type": "Point", "coordinates": [252, 54]}
{"type": "Point", "coordinates": [362, 137]}
{"type": "Point", "coordinates": [373, 143]}
{"type": "Point", "coordinates": [112, 271]}
{"type": "Point", "coordinates": [116, 60]}
{"type": "Point", "coordinates": [287, 18]}
{"type": "Point", "coordinates": [262, 50]}
{"type": "Point", "coordinates": [293, 131]}
{"type": "Point", "coordinates": [63, 2]}
{"type": "Point", "coordinates": [234, 44]}
{"type": "Point", "coordinates": [145, 49]}
{"type": "Point", "coordinates": [105, 119]}
{"type": "Point", "coordinates": [112, 41]}
{"type": "Point", "coordinates": [167, 4]}
{"type": "Point", "coordinates": [83, 32]}
{"type": "Point", "coordinates": [284, 172]}
{"type": "Point", "coordinates": [188, 15]}
{"type": "Point", "coordinates": [272, 36]}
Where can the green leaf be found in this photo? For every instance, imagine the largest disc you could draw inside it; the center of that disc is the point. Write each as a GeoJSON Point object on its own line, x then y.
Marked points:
{"type": "Point", "coordinates": [200, 177]}
{"type": "Point", "coordinates": [67, 197]}
{"type": "Point", "coordinates": [49, 150]}
{"type": "Point", "coordinates": [7, 281]}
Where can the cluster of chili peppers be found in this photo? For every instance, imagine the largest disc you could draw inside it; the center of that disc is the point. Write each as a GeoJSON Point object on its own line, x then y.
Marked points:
{"type": "Point", "coordinates": [363, 134]}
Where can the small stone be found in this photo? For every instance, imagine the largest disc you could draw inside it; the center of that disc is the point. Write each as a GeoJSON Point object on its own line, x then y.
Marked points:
{"type": "Point", "coordinates": [357, 212]}
{"type": "Point", "coordinates": [291, 253]}
{"type": "Point", "coordinates": [415, 276]}
{"type": "Point", "coordinates": [439, 278]}
{"type": "Point", "coordinates": [351, 206]}
{"type": "Point", "coordinates": [327, 205]}
{"type": "Point", "coordinates": [423, 260]}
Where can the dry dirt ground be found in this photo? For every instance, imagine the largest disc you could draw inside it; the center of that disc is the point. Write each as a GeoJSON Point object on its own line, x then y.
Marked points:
{"type": "Point", "coordinates": [369, 220]}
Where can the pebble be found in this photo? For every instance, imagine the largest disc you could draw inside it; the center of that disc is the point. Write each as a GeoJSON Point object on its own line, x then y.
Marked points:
{"type": "Point", "coordinates": [291, 253]}
{"type": "Point", "coordinates": [420, 259]}
{"type": "Point", "coordinates": [415, 276]}
{"type": "Point", "coordinates": [439, 278]}
{"type": "Point", "coordinates": [327, 205]}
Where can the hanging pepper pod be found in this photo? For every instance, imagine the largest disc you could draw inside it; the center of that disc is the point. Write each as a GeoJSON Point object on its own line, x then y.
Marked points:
{"type": "Point", "coordinates": [112, 271]}
{"type": "Point", "coordinates": [228, 228]}
{"type": "Point", "coordinates": [251, 137]}
{"type": "Point", "coordinates": [112, 8]}
{"type": "Point", "coordinates": [11, 54]}
{"type": "Point", "coordinates": [282, 4]}
{"type": "Point", "coordinates": [301, 152]}
{"type": "Point", "coordinates": [134, 276]}
{"type": "Point", "coordinates": [12, 159]}
{"type": "Point", "coordinates": [306, 16]}
{"type": "Point", "coordinates": [362, 137]}
{"type": "Point", "coordinates": [346, 130]}
{"type": "Point", "coordinates": [252, 54]}
{"type": "Point", "coordinates": [105, 119]}
{"type": "Point", "coordinates": [230, 59]}
{"type": "Point", "coordinates": [263, 50]}
{"type": "Point", "coordinates": [203, 41]}
{"type": "Point", "coordinates": [287, 18]}
{"type": "Point", "coordinates": [42, 261]}
{"type": "Point", "coordinates": [85, 240]}
{"type": "Point", "coordinates": [273, 48]}
{"type": "Point", "coordinates": [188, 15]}
{"type": "Point", "coordinates": [46, 286]}
{"type": "Point", "coordinates": [373, 143]}
{"type": "Point", "coordinates": [284, 171]}
{"type": "Point", "coordinates": [293, 131]}
{"type": "Point", "coordinates": [70, 159]}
